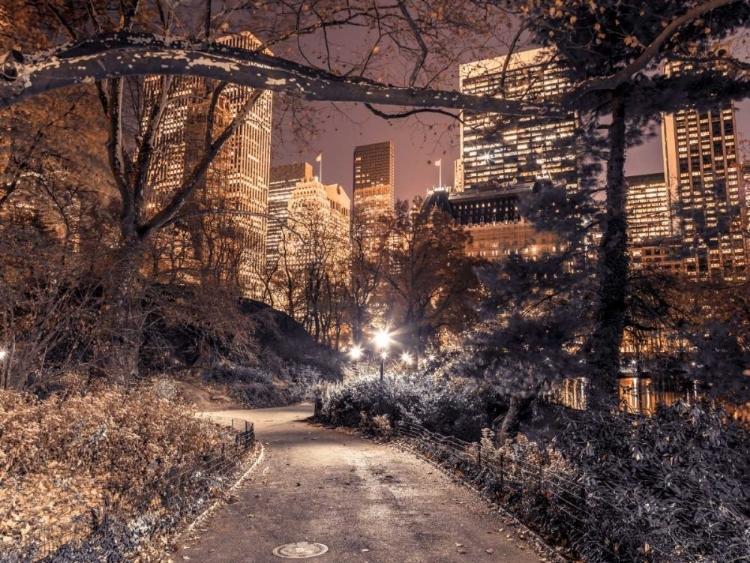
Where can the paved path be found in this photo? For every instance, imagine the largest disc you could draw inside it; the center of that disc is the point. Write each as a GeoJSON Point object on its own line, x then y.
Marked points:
{"type": "Point", "coordinates": [369, 503]}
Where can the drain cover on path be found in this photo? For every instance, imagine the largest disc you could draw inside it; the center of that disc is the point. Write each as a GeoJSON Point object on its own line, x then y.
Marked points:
{"type": "Point", "coordinates": [300, 550]}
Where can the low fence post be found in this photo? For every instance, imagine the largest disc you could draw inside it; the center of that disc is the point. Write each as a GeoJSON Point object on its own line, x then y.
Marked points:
{"type": "Point", "coordinates": [479, 455]}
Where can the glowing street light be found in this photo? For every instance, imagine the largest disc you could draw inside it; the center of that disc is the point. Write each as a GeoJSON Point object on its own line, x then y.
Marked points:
{"type": "Point", "coordinates": [3, 353]}
{"type": "Point", "coordinates": [355, 353]}
{"type": "Point", "coordinates": [406, 358]}
{"type": "Point", "coordinates": [382, 340]}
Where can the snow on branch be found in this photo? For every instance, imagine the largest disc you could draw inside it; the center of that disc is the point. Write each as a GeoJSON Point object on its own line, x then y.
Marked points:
{"type": "Point", "coordinates": [127, 54]}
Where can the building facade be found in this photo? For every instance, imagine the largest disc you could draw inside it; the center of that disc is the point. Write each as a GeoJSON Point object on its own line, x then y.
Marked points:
{"type": "Point", "coordinates": [490, 215]}
{"type": "Point", "coordinates": [308, 219]}
{"type": "Point", "coordinates": [513, 150]}
{"type": "Point", "coordinates": [702, 169]}
{"type": "Point", "coordinates": [236, 182]}
{"type": "Point", "coordinates": [284, 180]}
{"type": "Point", "coordinates": [374, 193]}
{"type": "Point", "coordinates": [650, 206]}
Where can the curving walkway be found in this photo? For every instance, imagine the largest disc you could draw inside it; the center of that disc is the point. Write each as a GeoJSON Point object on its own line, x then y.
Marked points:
{"type": "Point", "coordinates": [368, 502]}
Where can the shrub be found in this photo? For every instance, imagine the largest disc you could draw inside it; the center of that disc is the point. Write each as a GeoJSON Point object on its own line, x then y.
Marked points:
{"type": "Point", "coordinates": [135, 455]}
{"type": "Point", "coordinates": [459, 407]}
{"type": "Point", "coordinates": [671, 488]}
{"type": "Point", "coordinates": [677, 483]}
{"type": "Point", "coordinates": [272, 385]}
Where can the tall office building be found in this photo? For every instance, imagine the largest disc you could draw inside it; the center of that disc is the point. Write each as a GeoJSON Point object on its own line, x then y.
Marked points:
{"type": "Point", "coordinates": [237, 180]}
{"type": "Point", "coordinates": [300, 204]}
{"type": "Point", "coordinates": [517, 150]}
{"type": "Point", "coordinates": [701, 165]}
{"type": "Point", "coordinates": [310, 230]}
{"type": "Point", "coordinates": [284, 180]}
{"type": "Point", "coordinates": [374, 193]}
{"type": "Point", "coordinates": [650, 208]}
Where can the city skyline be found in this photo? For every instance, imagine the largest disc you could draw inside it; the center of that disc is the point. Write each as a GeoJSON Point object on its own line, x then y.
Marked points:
{"type": "Point", "coordinates": [415, 172]}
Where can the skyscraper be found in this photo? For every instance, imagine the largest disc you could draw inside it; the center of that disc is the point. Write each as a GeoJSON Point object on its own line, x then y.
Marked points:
{"type": "Point", "coordinates": [297, 199]}
{"type": "Point", "coordinates": [701, 165]}
{"type": "Point", "coordinates": [374, 194]}
{"type": "Point", "coordinates": [238, 178]}
{"type": "Point", "coordinates": [650, 208]}
{"type": "Point", "coordinates": [284, 180]}
{"type": "Point", "coordinates": [310, 231]}
{"type": "Point", "coordinates": [510, 150]}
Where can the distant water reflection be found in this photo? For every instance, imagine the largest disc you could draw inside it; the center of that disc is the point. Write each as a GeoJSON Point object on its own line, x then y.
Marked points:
{"type": "Point", "coordinates": [638, 395]}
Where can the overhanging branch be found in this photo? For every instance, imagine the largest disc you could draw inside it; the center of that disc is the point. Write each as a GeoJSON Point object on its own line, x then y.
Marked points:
{"type": "Point", "coordinates": [128, 54]}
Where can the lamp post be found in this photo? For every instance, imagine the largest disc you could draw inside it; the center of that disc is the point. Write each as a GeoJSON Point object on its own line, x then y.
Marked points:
{"type": "Point", "coordinates": [355, 354]}
{"type": "Point", "coordinates": [382, 339]}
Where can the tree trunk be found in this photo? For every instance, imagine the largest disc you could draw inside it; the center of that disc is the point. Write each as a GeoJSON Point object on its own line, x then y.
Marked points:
{"type": "Point", "coordinates": [121, 343]}
{"type": "Point", "coordinates": [612, 268]}
{"type": "Point", "coordinates": [519, 409]}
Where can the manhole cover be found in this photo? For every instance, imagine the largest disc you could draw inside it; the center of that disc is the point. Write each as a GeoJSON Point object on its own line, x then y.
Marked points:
{"type": "Point", "coordinates": [300, 550]}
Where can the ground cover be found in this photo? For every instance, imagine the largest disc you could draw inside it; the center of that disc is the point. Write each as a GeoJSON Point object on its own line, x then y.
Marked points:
{"type": "Point", "coordinates": [109, 472]}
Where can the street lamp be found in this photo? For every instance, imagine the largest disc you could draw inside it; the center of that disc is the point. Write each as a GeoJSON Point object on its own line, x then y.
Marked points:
{"type": "Point", "coordinates": [382, 340]}
{"type": "Point", "coordinates": [355, 353]}
{"type": "Point", "coordinates": [406, 358]}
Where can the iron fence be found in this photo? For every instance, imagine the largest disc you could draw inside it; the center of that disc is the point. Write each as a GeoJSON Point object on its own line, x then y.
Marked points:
{"type": "Point", "coordinates": [124, 523]}
{"type": "Point", "coordinates": [538, 491]}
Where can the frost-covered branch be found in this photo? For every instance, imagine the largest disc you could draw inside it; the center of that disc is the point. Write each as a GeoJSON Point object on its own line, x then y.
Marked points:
{"type": "Point", "coordinates": [130, 54]}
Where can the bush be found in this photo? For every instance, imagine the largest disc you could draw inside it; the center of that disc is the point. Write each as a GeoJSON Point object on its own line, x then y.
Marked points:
{"type": "Point", "coordinates": [138, 457]}
{"type": "Point", "coordinates": [679, 481]}
{"type": "Point", "coordinates": [457, 407]}
{"type": "Point", "coordinates": [272, 385]}
{"type": "Point", "coordinates": [671, 488]}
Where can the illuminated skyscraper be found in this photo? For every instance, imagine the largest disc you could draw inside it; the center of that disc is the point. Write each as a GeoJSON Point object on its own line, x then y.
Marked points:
{"type": "Point", "coordinates": [284, 180]}
{"type": "Point", "coordinates": [517, 150]}
{"type": "Point", "coordinates": [702, 169]}
{"type": "Point", "coordinates": [236, 181]}
{"type": "Point", "coordinates": [374, 194]}
{"type": "Point", "coordinates": [650, 208]}
{"type": "Point", "coordinates": [298, 205]}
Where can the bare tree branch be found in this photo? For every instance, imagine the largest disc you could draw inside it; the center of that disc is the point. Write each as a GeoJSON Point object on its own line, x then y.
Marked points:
{"type": "Point", "coordinates": [122, 54]}
{"type": "Point", "coordinates": [420, 40]}
{"type": "Point", "coordinates": [612, 82]}
{"type": "Point", "coordinates": [117, 156]}
{"type": "Point", "coordinates": [191, 184]}
{"type": "Point", "coordinates": [409, 113]}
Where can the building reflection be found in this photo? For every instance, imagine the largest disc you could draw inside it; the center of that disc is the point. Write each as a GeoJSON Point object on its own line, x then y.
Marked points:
{"type": "Point", "coordinates": [642, 395]}
{"type": "Point", "coordinates": [637, 394]}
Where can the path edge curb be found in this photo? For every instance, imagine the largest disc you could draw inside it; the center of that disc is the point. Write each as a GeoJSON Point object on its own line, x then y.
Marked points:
{"type": "Point", "coordinates": [203, 516]}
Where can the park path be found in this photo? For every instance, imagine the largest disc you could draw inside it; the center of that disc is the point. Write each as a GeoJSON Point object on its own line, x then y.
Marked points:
{"type": "Point", "coordinates": [368, 502]}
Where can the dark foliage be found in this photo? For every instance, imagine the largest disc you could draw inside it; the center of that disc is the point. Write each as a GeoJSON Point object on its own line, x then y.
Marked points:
{"type": "Point", "coordinates": [457, 407]}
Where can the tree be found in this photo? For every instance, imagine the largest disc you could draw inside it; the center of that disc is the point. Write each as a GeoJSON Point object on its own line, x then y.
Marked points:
{"type": "Point", "coordinates": [613, 52]}
{"type": "Point", "coordinates": [431, 280]}
{"type": "Point", "coordinates": [535, 312]}
{"type": "Point", "coordinates": [369, 260]}
{"type": "Point", "coordinates": [310, 277]}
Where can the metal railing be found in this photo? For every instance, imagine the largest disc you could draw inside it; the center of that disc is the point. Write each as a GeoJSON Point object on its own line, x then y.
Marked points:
{"type": "Point", "coordinates": [550, 500]}
{"type": "Point", "coordinates": [185, 493]}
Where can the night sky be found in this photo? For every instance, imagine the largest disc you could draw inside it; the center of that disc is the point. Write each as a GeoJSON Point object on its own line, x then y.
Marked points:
{"type": "Point", "coordinates": [417, 146]}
